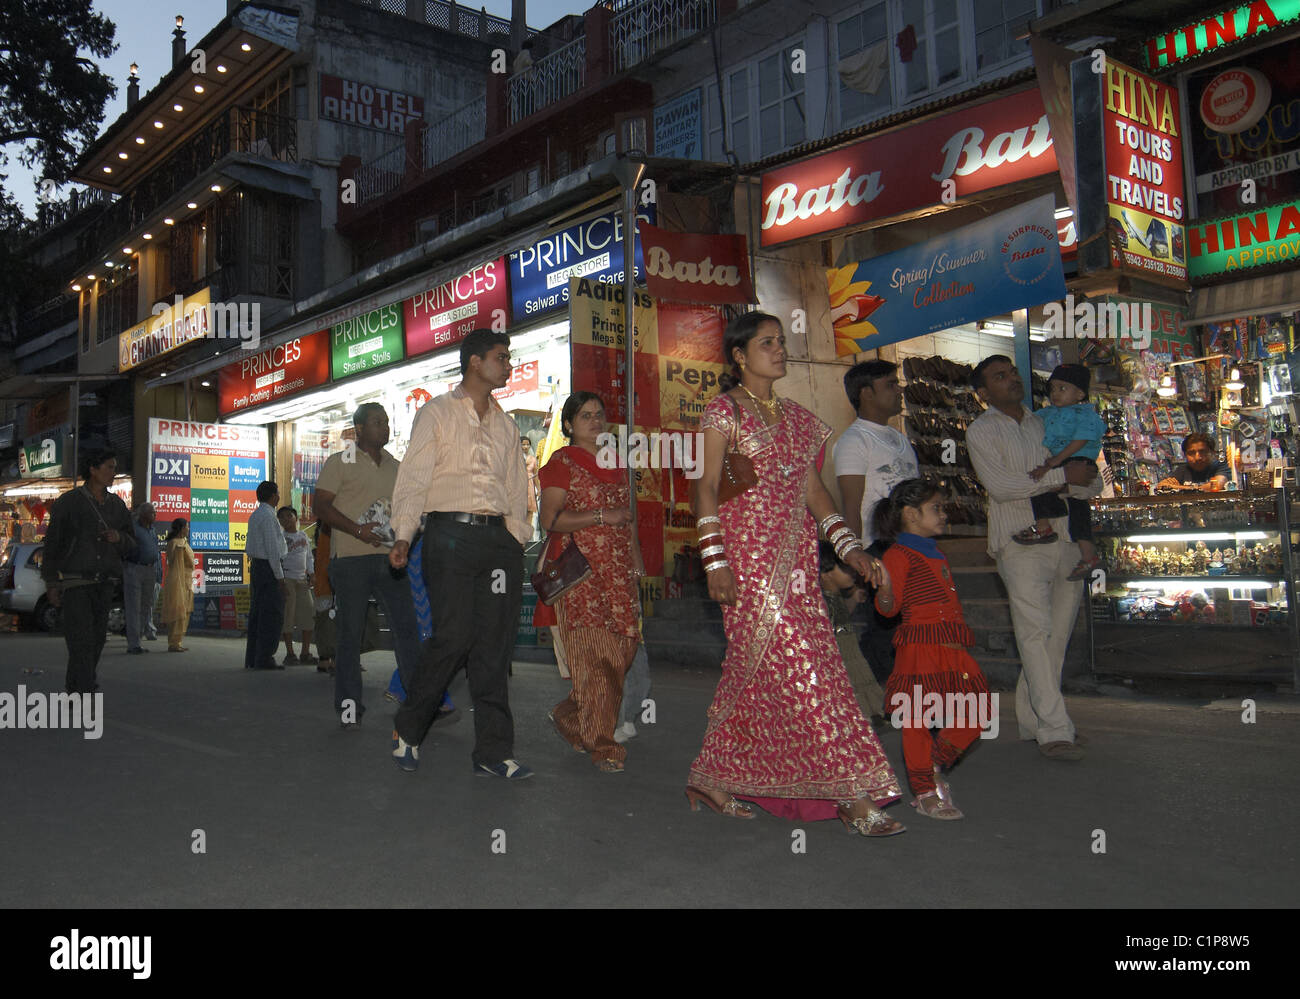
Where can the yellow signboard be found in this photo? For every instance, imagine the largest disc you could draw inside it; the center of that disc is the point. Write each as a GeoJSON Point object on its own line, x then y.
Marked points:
{"type": "Point", "coordinates": [171, 325]}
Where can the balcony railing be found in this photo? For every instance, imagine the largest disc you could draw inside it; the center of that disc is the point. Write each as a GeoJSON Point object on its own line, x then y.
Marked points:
{"type": "Point", "coordinates": [381, 175]}
{"type": "Point", "coordinates": [450, 16]}
{"type": "Point", "coordinates": [551, 78]}
{"type": "Point", "coordinates": [638, 31]}
{"type": "Point", "coordinates": [443, 139]}
{"type": "Point", "coordinates": [239, 130]}
{"type": "Point", "coordinates": [52, 213]}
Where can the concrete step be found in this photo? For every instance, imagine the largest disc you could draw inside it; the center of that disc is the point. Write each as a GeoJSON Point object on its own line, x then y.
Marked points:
{"type": "Point", "coordinates": [987, 612]}
{"type": "Point", "coordinates": [977, 581]}
{"type": "Point", "coordinates": [1002, 673]}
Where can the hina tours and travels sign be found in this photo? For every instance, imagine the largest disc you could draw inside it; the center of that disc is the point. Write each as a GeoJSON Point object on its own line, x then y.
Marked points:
{"type": "Point", "coordinates": [1011, 260]}
{"type": "Point", "coordinates": [1256, 239]}
{"type": "Point", "coordinates": [1236, 24]}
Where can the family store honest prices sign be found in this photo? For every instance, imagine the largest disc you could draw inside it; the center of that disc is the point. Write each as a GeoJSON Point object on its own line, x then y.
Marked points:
{"type": "Point", "coordinates": [1010, 260]}
{"type": "Point", "coordinates": [278, 373]}
{"type": "Point", "coordinates": [1000, 142]}
{"type": "Point", "coordinates": [447, 314]}
{"type": "Point", "coordinates": [367, 342]}
{"type": "Point", "coordinates": [207, 473]}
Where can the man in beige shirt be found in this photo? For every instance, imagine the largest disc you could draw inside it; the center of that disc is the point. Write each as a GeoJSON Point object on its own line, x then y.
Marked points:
{"type": "Point", "coordinates": [1005, 443]}
{"type": "Point", "coordinates": [354, 495]}
{"type": "Point", "coordinates": [465, 470]}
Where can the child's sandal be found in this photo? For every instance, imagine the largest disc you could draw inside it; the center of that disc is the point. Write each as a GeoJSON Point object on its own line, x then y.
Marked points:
{"type": "Point", "coordinates": [1083, 568]}
{"type": "Point", "coordinates": [1033, 536]}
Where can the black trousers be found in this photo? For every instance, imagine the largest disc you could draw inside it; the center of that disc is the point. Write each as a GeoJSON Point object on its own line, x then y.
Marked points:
{"type": "Point", "coordinates": [1079, 511]}
{"type": "Point", "coordinates": [475, 577]}
{"type": "Point", "coordinates": [85, 627]}
{"type": "Point", "coordinates": [265, 616]}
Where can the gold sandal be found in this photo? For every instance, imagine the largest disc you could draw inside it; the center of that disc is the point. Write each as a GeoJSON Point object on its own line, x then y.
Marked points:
{"type": "Point", "coordinates": [874, 823]}
{"type": "Point", "coordinates": [731, 807]}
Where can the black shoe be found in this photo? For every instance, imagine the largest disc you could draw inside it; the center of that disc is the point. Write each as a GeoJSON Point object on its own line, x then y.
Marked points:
{"type": "Point", "coordinates": [136, 651]}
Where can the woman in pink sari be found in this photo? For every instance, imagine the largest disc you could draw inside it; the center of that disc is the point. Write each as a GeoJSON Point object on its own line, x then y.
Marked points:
{"type": "Point", "coordinates": [785, 730]}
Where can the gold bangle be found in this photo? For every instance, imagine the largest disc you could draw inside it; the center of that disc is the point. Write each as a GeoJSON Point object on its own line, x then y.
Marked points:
{"type": "Point", "coordinates": [600, 516]}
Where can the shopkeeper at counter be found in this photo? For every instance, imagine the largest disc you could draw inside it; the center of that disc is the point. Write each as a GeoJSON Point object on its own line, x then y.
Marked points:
{"type": "Point", "coordinates": [1199, 470]}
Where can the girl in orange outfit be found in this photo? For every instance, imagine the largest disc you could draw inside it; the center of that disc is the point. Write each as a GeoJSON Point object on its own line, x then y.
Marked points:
{"type": "Point", "coordinates": [931, 645]}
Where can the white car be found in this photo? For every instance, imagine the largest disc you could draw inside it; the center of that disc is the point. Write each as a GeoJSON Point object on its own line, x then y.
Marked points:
{"type": "Point", "coordinates": [22, 591]}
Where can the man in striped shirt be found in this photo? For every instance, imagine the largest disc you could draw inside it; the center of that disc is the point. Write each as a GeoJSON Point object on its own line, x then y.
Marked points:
{"type": "Point", "coordinates": [1005, 443]}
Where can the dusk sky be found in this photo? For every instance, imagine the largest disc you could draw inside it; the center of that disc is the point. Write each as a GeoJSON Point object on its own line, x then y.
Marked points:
{"type": "Point", "coordinates": [144, 36]}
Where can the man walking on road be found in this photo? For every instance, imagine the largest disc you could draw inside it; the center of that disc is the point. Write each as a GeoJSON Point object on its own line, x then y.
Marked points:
{"type": "Point", "coordinates": [90, 531]}
{"type": "Point", "coordinates": [265, 548]}
{"type": "Point", "coordinates": [1005, 444]}
{"type": "Point", "coordinates": [139, 571]}
{"type": "Point", "coordinates": [354, 496]}
{"type": "Point", "coordinates": [465, 470]}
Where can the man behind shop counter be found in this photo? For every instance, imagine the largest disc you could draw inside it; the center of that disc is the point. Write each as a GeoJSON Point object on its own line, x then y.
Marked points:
{"type": "Point", "coordinates": [90, 532]}
{"type": "Point", "coordinates": [1200, 470]}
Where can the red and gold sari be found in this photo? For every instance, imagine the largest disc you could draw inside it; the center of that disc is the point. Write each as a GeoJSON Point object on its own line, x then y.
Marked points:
{"type": "Point", "coordinates": [784, 728]}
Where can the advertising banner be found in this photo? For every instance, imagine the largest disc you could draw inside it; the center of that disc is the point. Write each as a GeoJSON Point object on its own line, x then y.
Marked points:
{"type": "Point", "coordinates": [43, 458]}
{"type": "Point", "coordinates": [278, 373]}
{"type": "Point", "coordinates": [165, 331]}
{"type": "Point", "coordinates": [1254, 239]}
{"type": "Point", "coordinates": [1011, 260]}
{"type": "Point", "coordinates": [445, 315]}
{"type": "Point", "coordinates": [367, 342]}
{"type": "Point", "coordinates": [977, 148]}
{"type": "Point", "coordinates": [539, 274]}
{"type": "Point", "coordinates": [696, 267]}
{"type": "Point", "coordinates": [677, 127]}
{"type": "Point", "coordinates": [207, 473]}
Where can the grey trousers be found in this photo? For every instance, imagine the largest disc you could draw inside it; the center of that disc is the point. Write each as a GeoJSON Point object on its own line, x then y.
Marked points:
{"type": "Point", "coordinates": [137, 595]}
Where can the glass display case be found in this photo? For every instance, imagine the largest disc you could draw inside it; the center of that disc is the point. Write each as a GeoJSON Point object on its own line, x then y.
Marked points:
{"type": "Point", "coordinates": [1199, 583]}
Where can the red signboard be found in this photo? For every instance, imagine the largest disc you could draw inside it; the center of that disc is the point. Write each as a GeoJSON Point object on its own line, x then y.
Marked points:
{"type": "Point", "coordinates": [1001, 142]}
{"type": "Point", "coordinates": [274, 374]}
{"type": "Point", "coordinates": [1144, 174]}
{"type": "Point", "coordinates": [695, 267]}
{"type": "Point", "coordinates": [447, 314]}
{"type": "Point", "coordinates": [523, 378]}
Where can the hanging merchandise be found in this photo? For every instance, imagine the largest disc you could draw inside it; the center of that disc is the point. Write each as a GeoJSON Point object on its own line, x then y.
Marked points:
{"type": "Point", "coordinates": [1191, 382]}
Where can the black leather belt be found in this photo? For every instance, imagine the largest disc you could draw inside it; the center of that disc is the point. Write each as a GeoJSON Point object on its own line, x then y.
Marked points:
{"type": "Point", "coordinates": [476, 519]}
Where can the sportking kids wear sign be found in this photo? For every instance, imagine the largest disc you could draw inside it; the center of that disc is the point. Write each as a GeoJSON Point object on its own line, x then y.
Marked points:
{"type": "Point", "coordinates": [693, 267]}
{"type": "Point", "coordinates": [207, 473]}
{"type": "Point", "coordinates": [1001, 142]}
{"type": "Point", "coordinates": [1010, 260]}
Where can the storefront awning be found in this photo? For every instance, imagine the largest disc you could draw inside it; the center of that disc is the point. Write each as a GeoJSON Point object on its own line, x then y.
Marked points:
{"type": "Point", "coordinates": [1273, 293]}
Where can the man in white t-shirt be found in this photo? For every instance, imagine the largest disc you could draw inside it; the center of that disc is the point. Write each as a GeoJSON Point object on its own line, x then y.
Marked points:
{"type": "Point", "coordinates": [871, 457]}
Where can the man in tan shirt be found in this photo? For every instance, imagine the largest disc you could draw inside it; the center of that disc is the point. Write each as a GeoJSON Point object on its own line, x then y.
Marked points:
{"type": "Point", "coordinates": [464, 468]}
{"type": "Point", "coordinates": [354, 495]}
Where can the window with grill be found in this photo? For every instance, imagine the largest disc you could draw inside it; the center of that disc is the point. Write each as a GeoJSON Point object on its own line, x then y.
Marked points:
{"type": "Point", "coordinates": [928, 45]}
{"type": "Point", "coordinates": [780, 102]}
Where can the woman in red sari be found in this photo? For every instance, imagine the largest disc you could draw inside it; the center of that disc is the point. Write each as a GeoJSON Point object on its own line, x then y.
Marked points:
{"type": "Point", "coordinates": [785, 730]}
{"type": "Point", "coordinates": [598, 617]}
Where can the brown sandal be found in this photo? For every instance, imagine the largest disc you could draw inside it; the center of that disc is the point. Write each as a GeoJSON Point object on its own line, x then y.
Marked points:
{"type": "Point", "coordinates": [731, 807]}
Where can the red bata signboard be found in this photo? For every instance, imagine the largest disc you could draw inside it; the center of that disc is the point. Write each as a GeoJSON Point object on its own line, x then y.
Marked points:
{"type": "Point", "coordinates": [274, 374]}
{"type": "Point", "coordinates": [1144, 173]}
{"type": "Point", "coordinates": [448, 313]}
{"type": "Point", "coordinates": [1001, 142]}
{"type": "Point", "coordinates": [690, 267]}
{"type": "Point", "coordinates": [361, 104]}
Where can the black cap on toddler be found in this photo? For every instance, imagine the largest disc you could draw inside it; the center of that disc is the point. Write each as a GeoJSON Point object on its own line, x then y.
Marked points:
{"type": "Point", "coordinates": [1075, 374]}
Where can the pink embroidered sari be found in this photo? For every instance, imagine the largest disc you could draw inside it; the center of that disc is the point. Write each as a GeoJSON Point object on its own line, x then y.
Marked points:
{"type": "Point", "coordinates": [784, 728]}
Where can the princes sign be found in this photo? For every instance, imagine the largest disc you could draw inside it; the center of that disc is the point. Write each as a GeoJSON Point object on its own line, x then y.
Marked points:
{"type": "Point", "coordinates": [695, 267]}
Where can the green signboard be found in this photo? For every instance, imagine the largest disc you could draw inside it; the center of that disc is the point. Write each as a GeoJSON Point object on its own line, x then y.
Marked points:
{"type": "Point", "coordinates": [1252, 239]}
{"type": "Point", "coordinates": [44, 459]}
{"type": "Point", "coordinates": [1224, 28]}
{"type": "Point", "coordinates": [367, 342]}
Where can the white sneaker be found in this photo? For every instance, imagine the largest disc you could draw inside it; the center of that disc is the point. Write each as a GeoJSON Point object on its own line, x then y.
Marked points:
{"type": "Point", "coordinates": [624, 732]}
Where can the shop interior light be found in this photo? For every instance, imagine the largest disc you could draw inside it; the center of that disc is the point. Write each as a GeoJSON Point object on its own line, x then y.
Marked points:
{"type": "Point", "coordinates": [1207, 583]}
{"type": "Point", "coordinates": [33, 491]}
{"type": "Point", "coordinates": [997, 329]}
{"type": "Point", "coordinates": [1234, 382]}
{"type": "Point", "coordinates": [1166, 388]}
{"type": "Point", "coordinates": [1212, 536]}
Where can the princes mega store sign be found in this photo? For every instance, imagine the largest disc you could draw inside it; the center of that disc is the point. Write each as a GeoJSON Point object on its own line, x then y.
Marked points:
{"type": "Point", "coordinates": [942, 159]}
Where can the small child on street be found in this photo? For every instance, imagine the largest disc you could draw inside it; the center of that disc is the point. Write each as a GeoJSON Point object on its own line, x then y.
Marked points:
{"type": "Point", "coordinates": [1072, 432]}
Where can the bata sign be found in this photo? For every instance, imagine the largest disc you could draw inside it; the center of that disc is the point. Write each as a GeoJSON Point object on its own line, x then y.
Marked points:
{"type": "Point", "coordinates": [301, 363]}
{"type": "Point", "coordinates": [1001, 142]}
{"type": "Point", "coordinates": [689, 267]}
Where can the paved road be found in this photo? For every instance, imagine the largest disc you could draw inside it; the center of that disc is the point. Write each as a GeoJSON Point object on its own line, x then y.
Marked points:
{"type": "Point", "coordinates": [296, 812]}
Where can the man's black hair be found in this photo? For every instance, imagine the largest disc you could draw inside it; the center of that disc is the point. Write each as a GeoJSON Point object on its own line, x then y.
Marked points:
{"type": "Point", "coordinates": [265, 490]}
{"type": "Point", "coordinates": [977, 376]}
{"type": "Point", "coordinates": [864, 375]}
{"type": "Point", "coordinates": [363, 413]}
{"type": "Point", "coordinates": [478, 343]}
{"type": "Point", "coordinates": [93, 459]}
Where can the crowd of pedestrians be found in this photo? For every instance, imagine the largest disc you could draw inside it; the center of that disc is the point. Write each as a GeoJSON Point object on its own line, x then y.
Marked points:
{"type": "Point", "coordinates": [438, 539]}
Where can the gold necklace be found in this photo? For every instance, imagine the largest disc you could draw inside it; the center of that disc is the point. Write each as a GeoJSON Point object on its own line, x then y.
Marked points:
{"type": "Point", "coordinates": [771, 407]}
